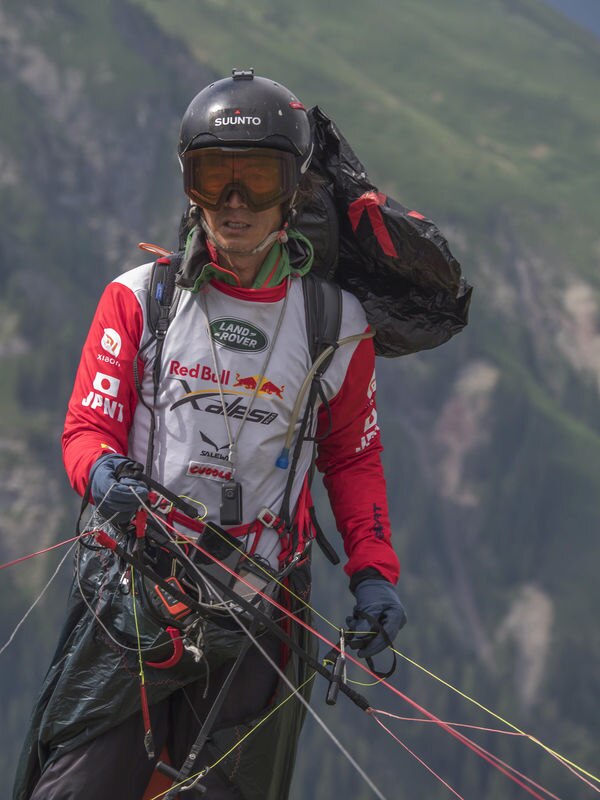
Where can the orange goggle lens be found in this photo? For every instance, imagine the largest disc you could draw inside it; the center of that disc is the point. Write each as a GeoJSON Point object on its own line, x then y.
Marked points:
{"type": "Point", "coordinates": [264, 177]}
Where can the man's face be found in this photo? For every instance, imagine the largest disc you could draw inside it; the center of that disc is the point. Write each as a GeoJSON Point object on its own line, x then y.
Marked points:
{"type": "Point", "coordinates": [235, 225]}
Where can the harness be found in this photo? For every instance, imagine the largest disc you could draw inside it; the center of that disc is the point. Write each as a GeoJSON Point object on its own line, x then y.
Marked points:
{"type": "Point", "coordinates": [323, 314]}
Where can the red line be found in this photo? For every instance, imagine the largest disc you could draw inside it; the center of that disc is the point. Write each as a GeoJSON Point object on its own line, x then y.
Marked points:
{"type": "Point", "coordinates": [46, 550]}
{"type": "Point", "coordinates": [453, 724]}
{"type": "Point", "coordinates": [477, 749]}
{"type": "Point", "coordinates": [461, 738]}
{"type": "Point", "coordinates": [487, 730]}
{"type": "Point", "coordinates": [420, 760]}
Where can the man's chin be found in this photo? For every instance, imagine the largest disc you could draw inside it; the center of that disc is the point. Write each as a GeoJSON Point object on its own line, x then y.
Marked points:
{"type": "Point", "coordinates": [236, 241]}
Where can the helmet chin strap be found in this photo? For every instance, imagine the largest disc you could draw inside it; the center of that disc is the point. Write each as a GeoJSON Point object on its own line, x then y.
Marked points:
{"type": "Point", "coordinates": [280, 236]}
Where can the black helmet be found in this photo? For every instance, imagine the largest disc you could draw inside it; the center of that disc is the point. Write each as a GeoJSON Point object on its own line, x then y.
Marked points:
{"type": "Point", "coordinates": [247, 111]}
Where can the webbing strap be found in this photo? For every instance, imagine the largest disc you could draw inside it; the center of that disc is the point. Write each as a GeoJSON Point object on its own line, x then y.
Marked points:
{"type": "Point", "coordinates": [161, 295]}
{"type": "Point", "coordinates": [323, 311]}
{"type": "Point", "coordinates": [255, 613]}
{"type": "Point", "coordinates": [190, 762]}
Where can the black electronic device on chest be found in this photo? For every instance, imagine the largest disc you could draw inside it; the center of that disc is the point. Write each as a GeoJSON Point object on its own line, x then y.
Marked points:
{"type": "Point", "coordinates": [231, 503]}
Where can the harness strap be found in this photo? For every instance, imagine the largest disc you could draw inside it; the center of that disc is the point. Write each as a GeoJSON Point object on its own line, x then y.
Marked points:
{"type": "Point", "coordinates": [105, 540]}
{"type": "Point", "coordinates": [323, 311]}
{"type": "Point", "coordinates": [205, 729]}
{"type": "Point", "coordinates": [161, 295]}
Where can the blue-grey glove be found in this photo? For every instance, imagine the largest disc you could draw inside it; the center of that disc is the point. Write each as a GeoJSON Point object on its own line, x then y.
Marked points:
{"type": "Point", "coordinates": [113, 495]}
{"type": "Point", "coordinates": [378, 600]}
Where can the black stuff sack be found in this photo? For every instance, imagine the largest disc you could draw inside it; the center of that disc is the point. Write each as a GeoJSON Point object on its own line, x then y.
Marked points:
{"type": "Point", "coordinates": [394, 260]}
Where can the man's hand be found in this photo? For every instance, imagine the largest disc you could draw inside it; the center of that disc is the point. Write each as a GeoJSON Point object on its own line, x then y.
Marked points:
{"type": "Point", "coordinates": [375, 599]}
{"type": "Point", "coordinates": [114, 495]}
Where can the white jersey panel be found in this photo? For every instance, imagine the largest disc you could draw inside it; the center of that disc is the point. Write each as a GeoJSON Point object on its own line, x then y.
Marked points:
{"type": "Point", "coordinates": [191, 443]}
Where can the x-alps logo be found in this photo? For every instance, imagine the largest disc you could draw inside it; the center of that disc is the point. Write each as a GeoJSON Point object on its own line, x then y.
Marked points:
{"type": "Point", "coordinates": [235, 403]}
{"type": "Point", "coordinates": [232, 117]}
{"type": "Point", "coordinates": [239, 335]}
{"type": "Point", "coordinates": [102, 397]}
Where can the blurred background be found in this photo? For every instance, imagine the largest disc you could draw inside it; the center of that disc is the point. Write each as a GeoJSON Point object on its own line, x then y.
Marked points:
{"type": "Point", "coordinates": [481, 114]}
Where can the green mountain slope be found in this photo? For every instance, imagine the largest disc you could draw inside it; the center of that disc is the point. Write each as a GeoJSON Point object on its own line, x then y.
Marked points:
{"type": "Point", "coordinates": [444, 100]}
{"type": "Point", "coordinates": [482, 114]}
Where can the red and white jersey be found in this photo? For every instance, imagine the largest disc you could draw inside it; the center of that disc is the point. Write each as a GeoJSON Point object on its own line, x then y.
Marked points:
{"type": "Point", "coordinates": [255, 332]}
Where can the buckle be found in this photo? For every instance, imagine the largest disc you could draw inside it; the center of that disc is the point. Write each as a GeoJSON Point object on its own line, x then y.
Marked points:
{"type": "Point", "coordinates": [159, 503]}
{"type": "Point", "coordinates": [268, 518]}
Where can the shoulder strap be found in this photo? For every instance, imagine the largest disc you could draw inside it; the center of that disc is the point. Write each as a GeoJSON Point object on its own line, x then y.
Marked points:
{"type": "Point", "coordinates": [323, 310]}
{"type": "Point", "coordinates": [161, 296]}
{"type": "Point", "coordinates": [162, 293]}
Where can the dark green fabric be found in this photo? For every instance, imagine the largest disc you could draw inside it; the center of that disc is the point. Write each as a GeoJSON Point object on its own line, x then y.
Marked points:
{"type": "Point", "coordinates": [93, 684]}
{"type": "Point", "coordinates": [260, 770]}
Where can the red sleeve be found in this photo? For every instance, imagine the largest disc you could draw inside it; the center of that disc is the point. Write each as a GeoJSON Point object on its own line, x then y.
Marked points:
{"type": "Point", "coordinates": [104, 397]}
{"type": "Point", "coordinates": [350, 459]}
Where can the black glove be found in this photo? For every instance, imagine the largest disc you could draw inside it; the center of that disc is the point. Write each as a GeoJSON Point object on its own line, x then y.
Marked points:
{"type": "Point", "coordinates": [113, 495]}
{"type": "Point", "coordinates": [378, 600]}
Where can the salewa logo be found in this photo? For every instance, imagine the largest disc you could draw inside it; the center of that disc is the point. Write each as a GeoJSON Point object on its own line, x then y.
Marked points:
{"type": "Point", "coordinates": [215, 452]}
{"type": "Point", "coordinates": [237, 121]}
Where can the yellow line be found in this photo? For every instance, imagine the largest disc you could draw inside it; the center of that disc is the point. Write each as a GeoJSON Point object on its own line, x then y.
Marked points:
{"type": "Point", "coordinates": [445, 683]}
{"type": "Point", "coordinates": [549, 750]}
{"type": "Point", "coordinates": [205, 770]}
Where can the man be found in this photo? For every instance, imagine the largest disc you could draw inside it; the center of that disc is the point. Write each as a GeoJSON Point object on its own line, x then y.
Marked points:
{"type": "Point", "coordinates": [209, 408]}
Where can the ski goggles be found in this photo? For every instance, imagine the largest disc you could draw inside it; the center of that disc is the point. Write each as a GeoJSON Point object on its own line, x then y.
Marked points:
{"type": "Point", "coordinates": [263, 177]}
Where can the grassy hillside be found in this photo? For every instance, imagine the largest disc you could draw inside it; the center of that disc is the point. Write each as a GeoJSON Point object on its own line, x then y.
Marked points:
{"type": "Point", "coordinates": [445, 101]}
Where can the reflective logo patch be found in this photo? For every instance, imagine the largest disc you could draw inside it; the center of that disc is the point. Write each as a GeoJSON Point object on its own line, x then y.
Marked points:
{"type": "Point", "coordinates": [106, 384]}
{"type": "Point", "coordinates": [111, 341]}
{"type": "Point", "coordinates": [214, 472]}
{"type": "Point", "coordinates": [237, 334]}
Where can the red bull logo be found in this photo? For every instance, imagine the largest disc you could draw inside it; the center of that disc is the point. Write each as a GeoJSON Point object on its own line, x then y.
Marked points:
{"type": "Point", "coordinates": [245, 383]}
{"type": "Point", "coordinates": [267, 387]}
{"type": "Point", "coordinates": [271, 388]}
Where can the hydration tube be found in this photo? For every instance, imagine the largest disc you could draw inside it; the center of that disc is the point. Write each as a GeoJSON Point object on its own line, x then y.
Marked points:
{"type": "Point", "coordinates": [284, 457]}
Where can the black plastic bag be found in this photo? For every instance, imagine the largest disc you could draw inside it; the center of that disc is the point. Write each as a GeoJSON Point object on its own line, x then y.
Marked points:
{"type": "Point", "coordinates": [395, 261]}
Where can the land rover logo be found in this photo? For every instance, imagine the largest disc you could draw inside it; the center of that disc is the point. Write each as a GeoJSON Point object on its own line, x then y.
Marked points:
{"type": "Point", "coordinates": [236, 334]}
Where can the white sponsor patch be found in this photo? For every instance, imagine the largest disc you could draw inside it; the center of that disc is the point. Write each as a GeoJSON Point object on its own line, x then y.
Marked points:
{"type": "Point", "coordinates": [101, 404]}
{"type": "Point", "coordinates": [371, 430]}
{"type": "Point", "coordinates": [106, 384]}
{"type": "Point", "coordinates": [214, 472]}
{"type": "Point", "coordinates": [111, 341]}
{"type": "Point", "coordinates": [372, 387]}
